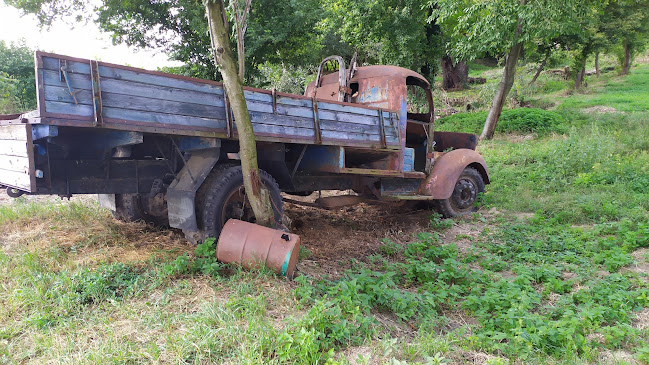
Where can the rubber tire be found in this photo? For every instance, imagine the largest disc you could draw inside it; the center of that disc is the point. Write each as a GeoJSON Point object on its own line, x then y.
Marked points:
{"type": "Point", "coordinates": [14, 193]}
{"type": "Point", "coordinates": [146, 203]}
{"type": "Point", "coordinates": [217, 187]}
{"type": "Point", "coordinates": [126, 208]}
{"type": "Point", "coordinates": [129, 208]}
{"type": "Point", "coordinates": [449, 208]}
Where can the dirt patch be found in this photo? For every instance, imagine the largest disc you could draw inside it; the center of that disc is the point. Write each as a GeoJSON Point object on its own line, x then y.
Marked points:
{"type": "Point", "coordinates": [524, 216]}
{"type": "Point", "coordinates": [336, 238]}
{"type": "Point", "coordinates": [617, 357]}
{"type": "Point", "coordinates": [359, 355]}
{"type": "Point", "coordinates": [641, 320]}
{"type": "Point", "coordinates": [600, 109]}
{"type": "Point", "coordinates": [474, 357]}
{"type": "Point", "coordinates": [463, 235]}
{"type": "Point", "coordinates": [640, 265]}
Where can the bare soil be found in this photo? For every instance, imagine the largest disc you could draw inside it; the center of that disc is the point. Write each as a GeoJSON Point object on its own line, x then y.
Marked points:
{"type": "Point", "coordinates": [334, 239]}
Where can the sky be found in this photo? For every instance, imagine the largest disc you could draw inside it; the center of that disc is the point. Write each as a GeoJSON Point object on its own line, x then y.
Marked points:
{"type": "Point", "coordinates": [84, 41]}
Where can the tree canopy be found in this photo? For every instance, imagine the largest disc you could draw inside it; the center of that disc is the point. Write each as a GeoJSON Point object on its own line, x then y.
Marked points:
{"type": "Point", "coordinates": [17, 66]}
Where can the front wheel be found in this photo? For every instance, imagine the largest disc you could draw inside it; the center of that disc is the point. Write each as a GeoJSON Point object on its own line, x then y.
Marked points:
{"type": "Point", "coordinates": [222, 197]}
{"type": "Point", "coordinates": [465, 197]}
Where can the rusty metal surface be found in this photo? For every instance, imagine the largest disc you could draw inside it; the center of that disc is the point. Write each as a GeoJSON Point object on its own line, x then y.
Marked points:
{"type": "Point", "coordinates": [339, 201]}
{"type": "Point", "coordinates": [9, 116]}
{"type": "Point", "coordinates": [447, 169]}
{"type": "Point", "coordinates": [455, 140]}
{"type": "Point", "coordinates": [378, 86]}
{"type": "Point", "coordinates": [251, 245]}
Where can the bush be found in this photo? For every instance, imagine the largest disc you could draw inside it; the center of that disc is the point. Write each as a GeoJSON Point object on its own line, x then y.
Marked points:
{"type": "Point", "coordinates": [521, 120]}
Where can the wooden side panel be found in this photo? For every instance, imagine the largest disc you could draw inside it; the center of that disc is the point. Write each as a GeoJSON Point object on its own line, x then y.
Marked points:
{"type": "Point", "coordinates": [16, 157]}
{"type": "Point", "coordinates": [172, 104]}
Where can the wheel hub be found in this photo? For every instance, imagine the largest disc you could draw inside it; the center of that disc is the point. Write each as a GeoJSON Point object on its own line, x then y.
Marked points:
{"type": "Point", "coordinates": [237, 206]}
{"type": "Point", "coordinates": [464, 194]}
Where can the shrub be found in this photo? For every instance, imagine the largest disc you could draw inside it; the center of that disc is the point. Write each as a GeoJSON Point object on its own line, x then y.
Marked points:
{"type": "Point", "coordinates": [521, 120]}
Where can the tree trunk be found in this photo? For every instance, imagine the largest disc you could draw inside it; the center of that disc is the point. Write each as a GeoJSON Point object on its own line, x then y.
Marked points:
{"type": "Point", "coordinates": [454, 76]}
{"type": "Point", "coordinates": [541, 67]}
{"type": "Point", "coordinates": [579, 78]}
{"type": "Point", "coordinates": [503, 90]}
{"type": "Point", "coordinates": [241, 55]}
{"type": "Point", "coordinates": [257, 194]}
{"type": "Point", "coordinates": [241, 24]}
{"type": "Point", "coordinates": [597, 72]}
{"type": "Point", "coordinates": [626, 65]}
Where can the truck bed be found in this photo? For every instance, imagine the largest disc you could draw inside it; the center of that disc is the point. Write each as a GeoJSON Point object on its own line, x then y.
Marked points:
{"type": "Point", "coordinates": [84, 93]}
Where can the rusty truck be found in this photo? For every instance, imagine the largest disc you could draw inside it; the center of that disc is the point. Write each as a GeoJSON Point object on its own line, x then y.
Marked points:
{"type": "Point", "coordinates": [163, 148]}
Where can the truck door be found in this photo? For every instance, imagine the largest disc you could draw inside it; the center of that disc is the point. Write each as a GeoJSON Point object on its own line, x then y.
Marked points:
{"type": "Point", "coordinates": [419, 129]}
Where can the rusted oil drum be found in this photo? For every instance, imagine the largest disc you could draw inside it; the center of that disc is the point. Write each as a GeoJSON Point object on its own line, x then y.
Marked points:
{"type": "Point", "coordinates": [251, 245]}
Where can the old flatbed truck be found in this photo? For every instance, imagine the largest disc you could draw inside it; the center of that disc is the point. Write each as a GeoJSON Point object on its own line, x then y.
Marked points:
{"type": "Point", "coordinates": [163, 148]}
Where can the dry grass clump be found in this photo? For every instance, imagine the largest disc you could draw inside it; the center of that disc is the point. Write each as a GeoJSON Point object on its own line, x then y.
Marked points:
{"type": "Point", "coordinates": [88, 234]}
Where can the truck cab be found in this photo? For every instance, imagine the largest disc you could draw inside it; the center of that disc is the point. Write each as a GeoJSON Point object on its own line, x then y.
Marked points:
{"type": "Point", "coordinates": [433, 160]}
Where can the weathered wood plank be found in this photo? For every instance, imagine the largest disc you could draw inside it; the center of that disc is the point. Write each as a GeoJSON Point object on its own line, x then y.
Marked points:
{"type": "Point", "coordinates": [69, 109]}
{"type": "Point", "coordinates": [13, 132]}
{"type": "Point", "coordinates": [77, 81]}
{"type": "Point", "coordinates": [258, 96]}
{"type": "Point", "coordinates": [137, 103]}
{"type": "Point", "coordinates": [144, 77]}
{"type": "Point", "coordinates": [291, 132]}
{"type": "Point", "coordinates": [14, 148]}
{"type": "Point", "coordinates": [50, 63]}
{"type": "Point", "coordinates": [16, 179]}
{"type": "Point", "coordinates": [333, 120]}
{"type": "Point", "coordinates": [325, 105]}
{"type": "Point", "coordinates": [214, 98]}
{"type": "Point", "coordinates": [14, 163]}
{"type": "Point", "coordinates": [168, 120]}
{"type": "Point", "coordinates": [282, 120]}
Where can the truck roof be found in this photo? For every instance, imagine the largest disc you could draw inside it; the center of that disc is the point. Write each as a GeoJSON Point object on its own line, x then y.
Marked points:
{"type": "Point", "coordinates": [367, 72]}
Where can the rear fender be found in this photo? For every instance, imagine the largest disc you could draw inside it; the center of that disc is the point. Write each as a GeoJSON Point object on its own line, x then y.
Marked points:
{"type": "Point", "coordinates": [448, 168]}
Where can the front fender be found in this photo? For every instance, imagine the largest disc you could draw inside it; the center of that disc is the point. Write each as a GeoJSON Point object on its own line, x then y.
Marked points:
{"type": "Point", "coordinates": [447, 169]}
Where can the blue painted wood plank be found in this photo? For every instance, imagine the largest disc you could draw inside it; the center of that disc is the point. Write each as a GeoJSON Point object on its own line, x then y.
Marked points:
{"type": "Point", "coordinates": [160, 118]}
{"type": "Point", "coordinates": [137, 103]}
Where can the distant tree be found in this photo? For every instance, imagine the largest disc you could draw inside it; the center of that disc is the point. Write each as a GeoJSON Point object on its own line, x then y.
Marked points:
{"type": "Point", "coordinates": [17, 63]}
{"type": "Point", "coordinates": [9, 103]}
{"type": "Point", "coordinates": [626, 24]}
{"type": "Point", "coordinates": [475, 28]}
{"type": "Point", "coordinates": [393, 32]}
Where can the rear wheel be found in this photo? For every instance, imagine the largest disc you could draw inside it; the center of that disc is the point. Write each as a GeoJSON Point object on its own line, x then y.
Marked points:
{"type": "Point", "coordinates": [465, 198]}
{"type": "Point", "coordinates": [222, 197]}
{"type": "Point", "coordinates": [141, 207]}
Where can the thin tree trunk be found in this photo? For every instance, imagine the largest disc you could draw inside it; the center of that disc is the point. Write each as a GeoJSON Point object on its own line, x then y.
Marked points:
{"type": "Point", "coordinates": [541, 67]}
{"type": "Point", "coordinates": [579, 78]}
{"type": "Point", "coordinates": [257, 194]}
{"type": "Point", "coordinates": [241, 25]}
{"type": "Point", "coordinates": [241, 56]}
{"type": "Point", "coordinates": [626, 65]}
{"type": "Point", "coordinates": [597, 71]}
{"type": "Point", "coordinates": [505, 85]}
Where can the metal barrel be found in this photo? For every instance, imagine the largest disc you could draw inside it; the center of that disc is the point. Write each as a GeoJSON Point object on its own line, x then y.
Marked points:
{"type": "Point", "coordinates": [251, 245]}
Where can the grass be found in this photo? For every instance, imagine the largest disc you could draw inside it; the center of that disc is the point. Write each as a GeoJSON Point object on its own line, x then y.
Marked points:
{"type": "Point", "coordinates": [556, 273]}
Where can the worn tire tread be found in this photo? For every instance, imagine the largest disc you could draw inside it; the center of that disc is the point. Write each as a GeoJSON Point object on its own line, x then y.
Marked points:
{"type": "Point", "coordinates": [443, 206]}
{"type": "Point", "coordinates": [210, 193]}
